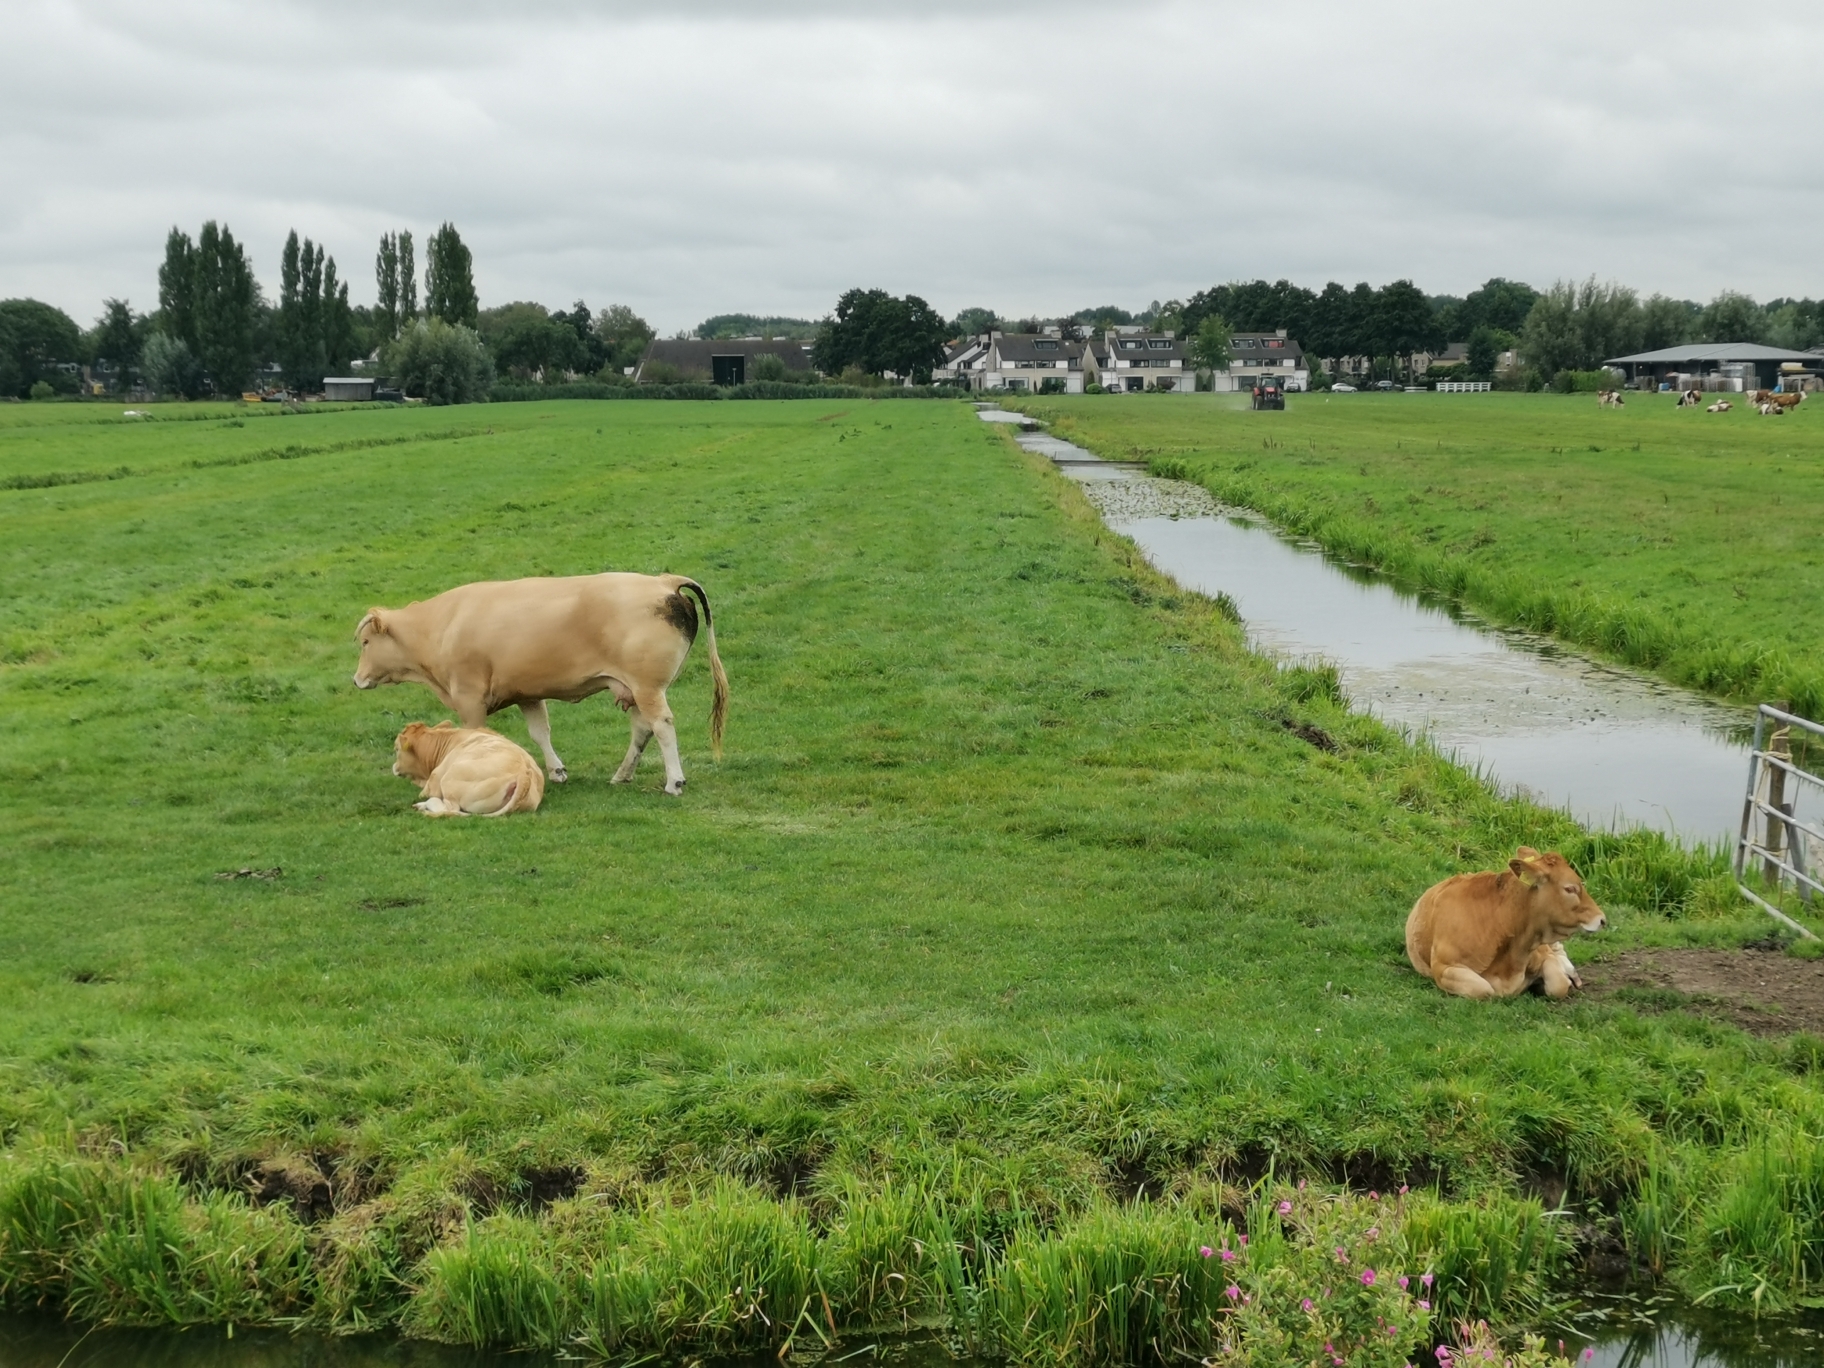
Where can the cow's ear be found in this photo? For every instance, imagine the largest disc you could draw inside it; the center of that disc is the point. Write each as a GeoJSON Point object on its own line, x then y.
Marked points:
{"type": "Point", "coordinates": [1524, 871]}
{"type": "Point", "coordinates": [375, 618]}
{"type": "Point", "coordinates": [1526, 853]}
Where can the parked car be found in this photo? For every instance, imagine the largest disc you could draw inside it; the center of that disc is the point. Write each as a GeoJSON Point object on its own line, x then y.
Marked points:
{"type": "Point", "coordinates": [1383, 385]}
{"type": "Point", "coordinates": [1342, 389]}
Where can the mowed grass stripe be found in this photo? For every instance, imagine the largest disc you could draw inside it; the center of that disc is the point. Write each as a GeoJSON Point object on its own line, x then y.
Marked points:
{"type": "Point", "coordinates": [1012, 881]}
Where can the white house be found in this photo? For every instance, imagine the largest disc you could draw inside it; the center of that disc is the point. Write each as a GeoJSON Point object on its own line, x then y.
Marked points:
{"type": "Point", "coordinates": [1044, 363]}
{"type": "Point", "coordinates": [1255, 356]}
{"type": "Point", "coordinates": [1132, 359]}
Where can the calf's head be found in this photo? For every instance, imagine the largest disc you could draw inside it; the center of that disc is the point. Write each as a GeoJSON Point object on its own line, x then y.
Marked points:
{"type": "Point", "coordinates": [383, 659]}
{"type": "Point", "coordinates": [417, 750]}
{"type": "Point", "coordinates": [1555, 893]}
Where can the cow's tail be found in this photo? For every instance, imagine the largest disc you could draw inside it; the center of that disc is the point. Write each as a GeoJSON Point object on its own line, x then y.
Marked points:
{"type": "Point", "coordinates": [718, 706]}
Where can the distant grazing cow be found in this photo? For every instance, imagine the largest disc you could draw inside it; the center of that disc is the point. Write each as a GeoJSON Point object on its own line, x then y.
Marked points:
{"type": "Point", "coordinates": [484, 647]}
{"type": "Point", "coordinates": [1609, 398]}
{"type": "Point", "coordinates": [1690, 398]}
{"type": "Point", "coordinates": [1495, 934]}
{"type": "Point", "coordinates": [1720, 406]}
{"type": "Point", "coordinates": [1769, 409]}
{"type": "Point", "coordinates": [467, 772]}
{"type": "Point", "coordinates": [1787, 401]}
{"type": "Point", "coordinates": [1761, 397]}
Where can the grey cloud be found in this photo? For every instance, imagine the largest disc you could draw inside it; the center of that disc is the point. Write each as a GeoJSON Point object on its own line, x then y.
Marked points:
{"type": "Point", "coordinates": [706, 157]}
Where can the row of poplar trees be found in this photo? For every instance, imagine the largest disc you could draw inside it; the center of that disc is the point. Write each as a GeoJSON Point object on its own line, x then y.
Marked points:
{"type": "Point", "coordinates": [212, 312]}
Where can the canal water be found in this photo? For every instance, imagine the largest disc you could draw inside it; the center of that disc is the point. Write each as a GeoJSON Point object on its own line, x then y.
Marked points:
{"type": "Point", "coordinates": [1643, 1334]}
{"type": "Point", "coordinates": [1616, 748]}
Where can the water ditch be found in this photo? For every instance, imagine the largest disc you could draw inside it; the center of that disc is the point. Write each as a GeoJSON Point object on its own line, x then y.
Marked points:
{"type": "Point", "coordinates": [1616, 748]}
{"type": "Point", "coordinates": [1632, 1332]}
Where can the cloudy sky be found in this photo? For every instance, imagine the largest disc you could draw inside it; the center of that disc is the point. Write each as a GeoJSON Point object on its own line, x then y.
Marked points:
{"type": "Point", "coordinates": [698, 158]}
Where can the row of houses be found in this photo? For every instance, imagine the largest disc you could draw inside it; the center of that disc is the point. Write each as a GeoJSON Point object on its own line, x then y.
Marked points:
{"type": "Point", "coordinates": [1133, 359]}
{"type": "Point", "coordinates": [1125, 359]}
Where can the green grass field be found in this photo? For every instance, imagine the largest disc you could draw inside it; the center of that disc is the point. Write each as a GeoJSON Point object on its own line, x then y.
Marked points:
{"type": "Point", "coordinates": [1686, 542]}
{"type": "Point", "coordinates": [1015, 936]}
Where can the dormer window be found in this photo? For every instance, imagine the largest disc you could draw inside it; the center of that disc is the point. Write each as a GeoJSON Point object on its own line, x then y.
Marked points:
{"type": "Point", "coordinates": [1160, 343]}
{"type": "Point", "coordinates": [1242, 341]}
{"type": "Point", "coordinates": [1131, 344]}
{"type": "Point", "coordinates": [1042, 344]}
{"type": "Point", "coordinates": [1274, 342]}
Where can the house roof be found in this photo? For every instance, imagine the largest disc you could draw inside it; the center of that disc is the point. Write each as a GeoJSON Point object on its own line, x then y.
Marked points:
{"type": "Point", "coordinates": [1720, 352]}
{"type": "Point", "coordinates": [1285, 349]}
{"type": "Point", "coordinates": [1120, 344]}
{"type": "Point", "coordinates": [1020, 347]}
{"type": "Point", "coordinates": [692, 354]}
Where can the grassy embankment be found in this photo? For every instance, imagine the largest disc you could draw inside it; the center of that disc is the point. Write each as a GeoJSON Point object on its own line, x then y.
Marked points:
{"type": "Point", "coordinates": [1014, 938]}
{"type": "Point", "coordinates": [1677, 540]}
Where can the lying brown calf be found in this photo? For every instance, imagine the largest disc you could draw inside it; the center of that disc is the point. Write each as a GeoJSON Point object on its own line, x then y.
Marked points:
{"type": "Point", "coordinates": [467, 771]}
{"type": "Point", "coordinates": [1495, 934]}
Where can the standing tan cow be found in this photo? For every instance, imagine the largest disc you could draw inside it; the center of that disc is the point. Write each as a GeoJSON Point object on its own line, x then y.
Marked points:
{"type": "Point", "coordinates": [1494, 934]}
{"type": "Point", "coordinates": [487, 646]}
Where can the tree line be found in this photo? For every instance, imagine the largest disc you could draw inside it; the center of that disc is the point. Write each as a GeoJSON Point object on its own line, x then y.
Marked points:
{"type": "Point", "coordinates": [214, 331]}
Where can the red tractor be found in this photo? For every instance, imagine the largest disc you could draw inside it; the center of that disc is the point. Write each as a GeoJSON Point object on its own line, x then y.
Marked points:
{"type": "Point", "coordinates": [1268, 395]}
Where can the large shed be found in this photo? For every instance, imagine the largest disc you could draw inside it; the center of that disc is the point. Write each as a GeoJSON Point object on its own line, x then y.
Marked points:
{"type": "Point", "coordinates": [347, 387]}
{"type": "Point", "coordinates": [1756, 366]}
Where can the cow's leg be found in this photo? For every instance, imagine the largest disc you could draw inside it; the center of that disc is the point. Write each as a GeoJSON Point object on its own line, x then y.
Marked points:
{"type": "Point", "coordinates": [538, 722]}
{"type": "Point", "coordinates": [657, 712]}
{"type": "Point", "coordinates": [1465, 983]}
{"type": "Point", "coordinates": [636, 747]}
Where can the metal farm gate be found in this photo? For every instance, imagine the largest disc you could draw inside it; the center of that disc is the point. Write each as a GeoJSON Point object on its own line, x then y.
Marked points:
{"type": "Point", "coordinates": [1789, 846]}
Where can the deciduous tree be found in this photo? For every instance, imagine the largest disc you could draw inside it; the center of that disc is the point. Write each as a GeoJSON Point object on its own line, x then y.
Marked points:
{"type": "Point", "coordinates": [878, 332]}
{"type": "Point", "coordinates": [34, 338]}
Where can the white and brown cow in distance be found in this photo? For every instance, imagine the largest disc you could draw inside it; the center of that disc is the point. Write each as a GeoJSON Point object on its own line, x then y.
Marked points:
{"type": "Point", "coordinates": [1496, 934]}
{"type": "Point", "coordinates": [487, 646]}
{"type": "Point", "coordinates": [1609, 398]}
{"type": "Point", "coordinates": [1690, 398]}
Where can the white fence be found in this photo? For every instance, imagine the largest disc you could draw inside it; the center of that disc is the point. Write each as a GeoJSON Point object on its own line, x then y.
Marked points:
{"type": "Point", "coordinates": [1787, 847]}
{"type": "Point", "coordinates": [1464, 386]}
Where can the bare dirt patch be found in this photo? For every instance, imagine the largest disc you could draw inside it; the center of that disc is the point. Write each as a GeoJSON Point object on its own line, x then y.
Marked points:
{"type": "Point", "coordinates": [1766, 992]}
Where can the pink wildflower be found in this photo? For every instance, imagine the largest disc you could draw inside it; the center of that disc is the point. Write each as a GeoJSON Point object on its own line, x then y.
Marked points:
{"type": "Point", "coordinates": [1306, 1305]}
{"type": "Point", "coordinates": [1405, 1282]}
{"type": "Point", "coordinates": [1404, 1189]}
{"type": "Point", "coordinates": [1231, 1292]}
{"type": "Point", "coordinates": [1342, 1255]}
{"type": "Point", "coordinates": [1367, 1277]}
{"type": "Point", "coordinates": [1285, 1208]}
{"type": "Point", "coordinates": [1374, 1232]}
{"type": "Point", "coordinates": [1206, 1251]}
{"type": "Point", "coordinates": [1244, 1241]}
{"type": "Point", "coordinates": [1374, 1196]}
{"type": "Point", "coordinates": [1425, 1280]}
{"type": "Point", "coordinates": [1228, 1256]}
{"type": "Point", "coordinates": [1424, 1306]}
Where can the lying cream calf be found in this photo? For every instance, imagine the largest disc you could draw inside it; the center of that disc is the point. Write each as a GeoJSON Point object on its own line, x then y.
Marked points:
{"type": "Point", "coordinates": [467, 771]}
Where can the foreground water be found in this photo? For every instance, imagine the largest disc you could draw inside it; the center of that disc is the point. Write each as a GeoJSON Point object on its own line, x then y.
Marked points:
{"type": "Point", "coordinates": [1639, 1333]}
{"type": "Point", "coordinates": [1616, 748]}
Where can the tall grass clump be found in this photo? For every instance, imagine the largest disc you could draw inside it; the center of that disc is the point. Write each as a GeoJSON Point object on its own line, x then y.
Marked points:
{"type": "Point", "coordinates": [113, 1245]}
{"type": "Point", "coordinates": [1494, 1257]}
{"type": "Point", "coordinates": [1757, 1237]}
{"type": "Point", "coordinates": [1319, 1278]}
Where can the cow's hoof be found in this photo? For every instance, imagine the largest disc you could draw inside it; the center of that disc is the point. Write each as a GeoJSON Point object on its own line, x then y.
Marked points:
{"type": "Point", "coordinates": [559, 775]}
{"type": "Point", "coordinates": [621, 779]}
{"type": "Point", "coordinates": [675, 790]}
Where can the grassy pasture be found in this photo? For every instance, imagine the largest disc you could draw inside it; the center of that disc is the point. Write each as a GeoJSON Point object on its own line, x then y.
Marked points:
{"type": "Point", "coordinates": [1678, 540]}
{"type": "Point", "coordinates": [1013, 937]}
